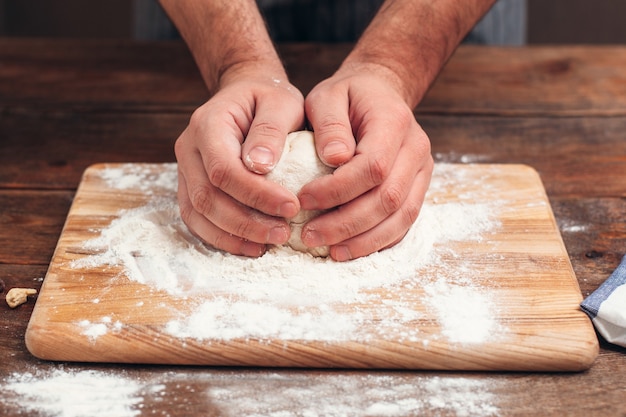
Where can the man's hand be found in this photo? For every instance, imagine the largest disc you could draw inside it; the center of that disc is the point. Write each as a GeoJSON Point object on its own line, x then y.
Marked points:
{"type": "Point", "coordinates": [363, 126]}
{"type": "Point", "coordinates": [363, 122]}
{"type": "Point", "coordinates": [224, 202]}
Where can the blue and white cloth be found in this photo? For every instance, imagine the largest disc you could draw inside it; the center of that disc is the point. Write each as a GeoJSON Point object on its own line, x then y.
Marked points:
{"type": "Point", "coordinates": [606, 306]}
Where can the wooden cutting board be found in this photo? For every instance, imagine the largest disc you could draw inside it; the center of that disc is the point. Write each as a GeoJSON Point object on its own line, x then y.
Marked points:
{"type": "Point", "coordinates": [504, 297]}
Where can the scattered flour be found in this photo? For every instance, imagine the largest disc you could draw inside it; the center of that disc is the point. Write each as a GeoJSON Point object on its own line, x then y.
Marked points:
{"type": "Point", "coordinates": [66, 392]}
{"type": "Point", "coordinates": [79, 393]}
{"type": "Point", "coordinates": [137, 177]}
{"type": "Point", "coordinates": [95, 330]}
{"type": "Point", "coordinates": [292, 295]}
{"type": "Point", "coordinates": [465, 313]}
{"type": "Point", "coordinates": [354, 395]}
{"type": "Point", "coordinates": [222, 319]}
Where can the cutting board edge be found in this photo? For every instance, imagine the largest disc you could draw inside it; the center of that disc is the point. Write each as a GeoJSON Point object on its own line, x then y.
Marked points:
{"type": "Point", "coordinates": [577, 361]}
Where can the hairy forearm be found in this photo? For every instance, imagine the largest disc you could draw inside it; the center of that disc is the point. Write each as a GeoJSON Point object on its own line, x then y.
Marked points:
{"type": "Point", "coordinates": [223, 35]}
{"type": "Point", "coordinates": [410, 40]}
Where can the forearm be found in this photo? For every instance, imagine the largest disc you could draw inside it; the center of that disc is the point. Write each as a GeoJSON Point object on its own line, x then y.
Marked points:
{"type": "Point", "coordinates": [224, 36]}
{"type": "Point", "coordinates": [410, 40]}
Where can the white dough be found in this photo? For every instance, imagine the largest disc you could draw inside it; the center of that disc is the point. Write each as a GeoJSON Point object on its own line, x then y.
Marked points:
{"type": "Point", "coordinates": [299, 165]}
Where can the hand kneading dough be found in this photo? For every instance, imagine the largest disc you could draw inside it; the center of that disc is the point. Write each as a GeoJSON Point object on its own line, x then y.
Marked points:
{"type": "Point", "coordinates": [299, 165]}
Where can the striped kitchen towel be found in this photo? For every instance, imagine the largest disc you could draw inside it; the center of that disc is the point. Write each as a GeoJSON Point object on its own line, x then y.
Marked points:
{"type": "Point", "coordinates": [607, 306]}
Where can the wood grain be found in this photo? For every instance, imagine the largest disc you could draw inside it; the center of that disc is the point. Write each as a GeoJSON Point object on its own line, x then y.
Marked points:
{"type": "Point", "coordinates": [29, 222]}
{"type": "Point", "coordinates": [523, 264]}
{"type": "Point", "coordinates": [568, 81]}
{"type": "Point", "coordinates": [140, 84]}
{"type": "Point", "coordinates": [161, 76]}
{"type": "Point", "coordinates": [574, 156]}
{"type": "Point", "coordinates": [63, 145]}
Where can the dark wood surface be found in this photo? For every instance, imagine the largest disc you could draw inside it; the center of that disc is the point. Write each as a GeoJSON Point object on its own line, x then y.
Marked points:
{"type": "Point", "coordinates": [65, 105]}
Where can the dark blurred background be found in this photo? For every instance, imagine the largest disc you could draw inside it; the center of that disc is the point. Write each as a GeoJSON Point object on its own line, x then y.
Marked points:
{"type": "Point", "coordinates": [543, 21]}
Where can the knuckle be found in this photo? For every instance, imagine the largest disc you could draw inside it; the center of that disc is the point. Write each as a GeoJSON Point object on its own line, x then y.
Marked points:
{"type": "Point", "coordinates": [429, 164]}
{"type": "Point", "coordinates": [245, 228]}
{"type": "Point", "coordinates": [392, 198]}
{"type": "Point", "coordinates": [256, 199]}
{"type": "Point", "coordinates": [197, 116]}
{"type": "Point", "coordinates": [219, 241]}
{"type": "Point", "coordinates": [349, 229]}
{"type": "Point", "coordinates": [330, 124]}
{"type": "Point", "coordinates": [410, 213]}
{"type": "Point", "coordinates": [404, 116]}
{"type": "Point", "coordinates": [201, 201]}
{"type": "Point", "coordinates": [367, 245]}
{"type": "Point", "coordinates": [401, 116]}
{"type": "Point", "coordinates": [422, 146]}
{"type": "Point", "coordinates": [338, 194]}
{"type": "Point", "coordinates": [378, 168]}
{"type": "Point", "coordinates": [219, 174]}
{"type": "Point", "coordinates": [200, 115]}
{"type": "Point", "coordinates": [378, 242]}
{"type": "Point", "coordinates": [265, 130]}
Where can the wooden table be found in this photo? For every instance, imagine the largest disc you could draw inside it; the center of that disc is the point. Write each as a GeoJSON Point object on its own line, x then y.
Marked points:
{"type": "Point", "coordinates": [67, 104]}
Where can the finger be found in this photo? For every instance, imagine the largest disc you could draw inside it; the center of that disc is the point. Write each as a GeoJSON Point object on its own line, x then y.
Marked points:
{"type": "Point", "coordinates": [328, 115]}
{"type": "Point", "coordinates": [371, 208]}
{"type": "Point", "coordinates": [222, 211]}
{"type": "Point", "coordinates": [206, 231]}
{"type": "Point", "coordinates": [375, 155]}
{"type": "Point", "coordinates": [360, 214]}
{"type": "Point", "coordinates": [224, 169]}
{"type": "Point", "coordinates": [361, 174]}
{"type": "Point", "coordinates": [391, 230]}
{"type": "Point", "coordinates": [273, 121]}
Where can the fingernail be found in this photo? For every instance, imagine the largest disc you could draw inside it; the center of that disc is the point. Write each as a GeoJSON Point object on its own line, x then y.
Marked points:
{"type": "Point", "coordinates": [342, 253]}
{"type": "Point", "coordinates": [334, 148]}
{"type": "Point", "coordinates": [313, 239]}
{"type": "Point", "coordinates": [278, 235]}
{"type": "Point", "coordinates": [260, 159]}
{"type": "Point", "coordinates": [252, 249]}
{"type": "Point", "coordinates": [308, 202]}
{"type": "Point", "coordinates": [287, 210]}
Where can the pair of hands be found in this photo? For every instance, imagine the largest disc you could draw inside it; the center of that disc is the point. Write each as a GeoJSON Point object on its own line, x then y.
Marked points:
{"type": "Point", "coordinates": [362, 126]}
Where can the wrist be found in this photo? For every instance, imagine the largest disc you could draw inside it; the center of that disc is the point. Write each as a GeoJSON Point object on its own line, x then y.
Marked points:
{"type": "Point", "coordinates": [264, 70]}
{"type": "Point", "coordinates": [410, 84]}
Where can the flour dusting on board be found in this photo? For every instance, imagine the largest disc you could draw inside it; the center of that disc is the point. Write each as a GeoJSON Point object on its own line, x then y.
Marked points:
{"type": "Point", "coordinates": [293, 296]}
{"type": "Point", "coordinates": [137, 177]}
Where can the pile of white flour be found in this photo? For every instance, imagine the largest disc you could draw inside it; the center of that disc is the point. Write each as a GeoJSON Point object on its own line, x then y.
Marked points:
{"type": "Point", "coordinates": [62, 393]}
{"type": "Point", "coordinates": [294, 296]}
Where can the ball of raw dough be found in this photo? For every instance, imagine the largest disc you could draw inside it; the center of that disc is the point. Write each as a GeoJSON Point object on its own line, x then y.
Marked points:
{"type": "Point", "coordinates": [299, 165]}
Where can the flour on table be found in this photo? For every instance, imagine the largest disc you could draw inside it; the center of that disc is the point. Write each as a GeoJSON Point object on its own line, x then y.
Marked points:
{"type": "Point", "coordinates": [292, 295]}
{"type": "Point", "coordinates": [75, 392]}
{"type": "Point", "coordinates": [91, 393]}
{"type": "Point", "coordinates": [332, 395]}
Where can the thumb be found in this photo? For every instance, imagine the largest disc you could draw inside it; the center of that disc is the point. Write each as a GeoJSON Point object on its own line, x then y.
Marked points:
{"type": "Point", "coordinates": [265, 140]}
{"type": "Point", "coordinates": [328, 116]}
